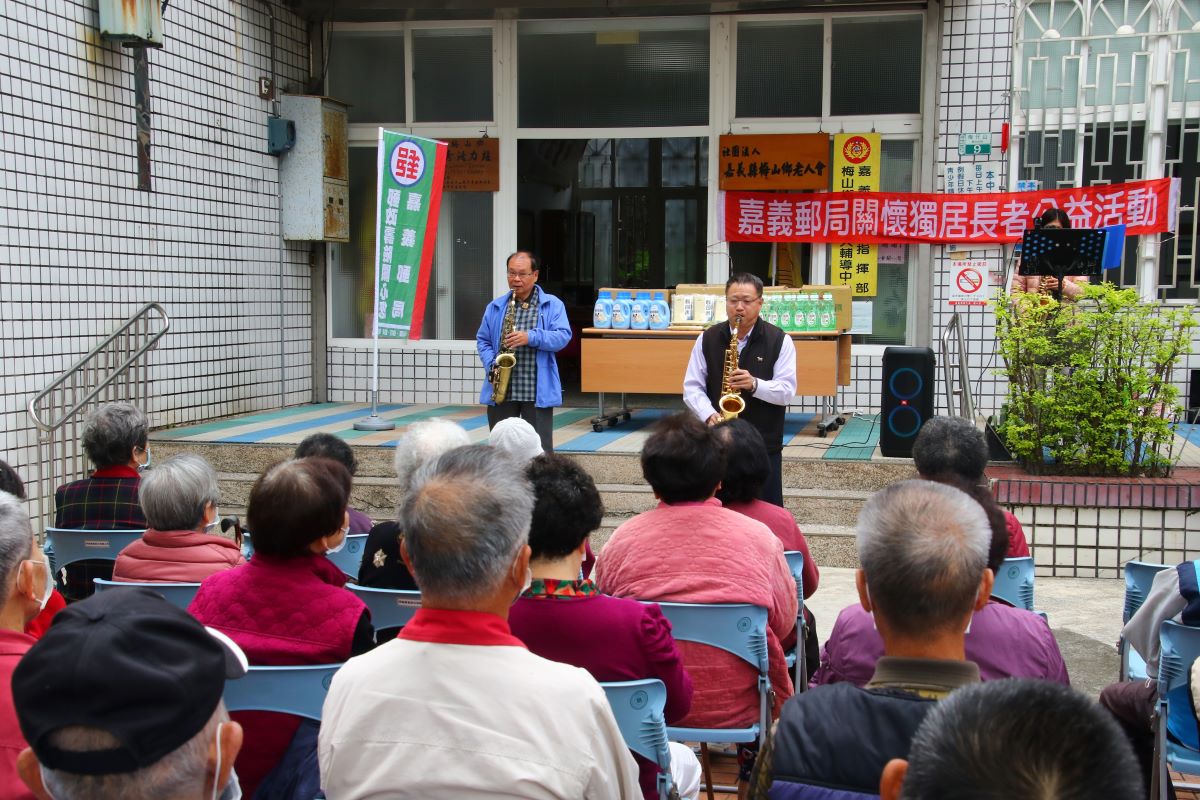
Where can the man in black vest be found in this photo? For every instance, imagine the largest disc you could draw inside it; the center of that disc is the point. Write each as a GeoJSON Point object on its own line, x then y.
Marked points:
{"type": "Point", "coordinates": [766, 373]}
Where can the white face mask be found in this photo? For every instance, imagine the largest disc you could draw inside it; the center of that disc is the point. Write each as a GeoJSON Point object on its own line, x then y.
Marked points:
{"type": "Point", "coordinates": [216, 520]}
{"type": "Point", "coordinates": [232, 789]}
{"type": "Point", "coordinates": [49, 588]}
{"type": "Point", "coordinates": [528, 580]}
{"type": "Point", "coordinates": [340, 546]}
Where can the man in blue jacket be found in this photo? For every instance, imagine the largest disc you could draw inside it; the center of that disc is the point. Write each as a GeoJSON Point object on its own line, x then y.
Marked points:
{"type": "Point", "coordinates": [540, 329]}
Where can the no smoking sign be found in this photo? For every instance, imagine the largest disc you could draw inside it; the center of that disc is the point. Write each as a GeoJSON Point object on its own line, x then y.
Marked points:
{"type": "Point", "coordinates": [968, 283]}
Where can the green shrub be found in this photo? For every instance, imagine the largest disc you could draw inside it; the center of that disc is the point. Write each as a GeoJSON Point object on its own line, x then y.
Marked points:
{"type": "Point", "coordinates": [1089, 383]}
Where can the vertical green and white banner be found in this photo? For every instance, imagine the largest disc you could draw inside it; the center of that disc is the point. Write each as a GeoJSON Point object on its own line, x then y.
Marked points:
{"type": "Point", "coordinates": [410, 197]}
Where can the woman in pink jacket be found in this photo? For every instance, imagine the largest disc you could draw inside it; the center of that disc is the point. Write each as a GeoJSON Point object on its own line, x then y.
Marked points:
{"type": "Point", "coordinates": [179, 498]}
{"type": "Point", "coordinates": [692, 550]}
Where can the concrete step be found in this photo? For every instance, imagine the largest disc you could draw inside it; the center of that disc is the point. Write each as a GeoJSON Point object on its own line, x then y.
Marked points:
{"type": "Point", "coordinates": [824, 506]}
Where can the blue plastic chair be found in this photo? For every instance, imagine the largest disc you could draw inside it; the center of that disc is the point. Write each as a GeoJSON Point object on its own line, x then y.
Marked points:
{"type": "Point", "coordinates": [1177, 743]}
{"type": "Point", "coordinates": [68, 545]}
{"type": "Point", "coordinates": [349, 558]}
{"type": "Point", "coordinates": [1014, 582]}
{"type": "Point", "coordinates": [1139, 575]}
{"type": "Point", "coordinates": [299, 691]}
{"type": "Point", "coordinates": [738, 628]}
{"type": "Point", "coordinates": [390, 608]}
{"type": "Point", "coordinates": [177, 594]}
{"type": "Point", "coordinates": [639, 710]}
{"type": "Point", "coordinates": [795, 656]}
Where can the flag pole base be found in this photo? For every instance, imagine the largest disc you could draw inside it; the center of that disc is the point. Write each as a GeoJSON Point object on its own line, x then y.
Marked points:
{"type": "Point", "coordinates": [374, 423]}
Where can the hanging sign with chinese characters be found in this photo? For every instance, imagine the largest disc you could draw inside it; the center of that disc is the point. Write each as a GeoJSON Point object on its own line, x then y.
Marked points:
{"type": "Point", "coordinates": [774, 161]}
{"type": "Point", "coordinates": [972, 177]}
{"type": "Point", "coordinates": [472, 165]}
{"type": "Point", "coordinates": [907, 217]}
{"type": "Point", "coordinates": [410, 196]}
{"type": "Point", "coordinates": [856, 169]}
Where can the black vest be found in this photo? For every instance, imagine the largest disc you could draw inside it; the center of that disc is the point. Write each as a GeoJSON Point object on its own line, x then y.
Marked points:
{"type": "Point", "coordinates": [758, 358]}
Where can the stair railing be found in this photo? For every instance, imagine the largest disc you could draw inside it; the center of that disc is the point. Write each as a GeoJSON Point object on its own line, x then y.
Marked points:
{"type": "Point", "coordinates": [965, 407]}
{"type": "Point", "coordinates": [115, 370]}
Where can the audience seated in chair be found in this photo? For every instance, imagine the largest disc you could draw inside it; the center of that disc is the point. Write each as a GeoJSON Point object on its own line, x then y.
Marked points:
{"type": "Point", "coordinates": [1015, 739]}
{"type": "Point", "coordinates": [326, 445]}
{"type": "Point", "coordinates": [141, 717]}
{"type": "Point", "coordinates": [1005, 642]}
{"type": "Point", "coordinates": [179, 497]}
{"type": "Point", "coordinates": [115, 439]}
{"type": "Point", "coordinates": [382, 567]}
{"type": "Point", "coordinates": [691, 550]}
{"type": "Point", "coordinates": [287, 606]}
{"type": "Point", "coordinates": [923, 547]}
{"type": "Point", "coordinates": [1174, 595]}
{"type": "Point", "coordinates": [456, 706]}
{"type": "Point", "coordinates": [953, 446]}
{"type": "Point", "coordinates": [25, 586]}
{"type": "Point", "coordinates": [564, 618]}
{"type": "Point", "coordinates": [11, 483]}
{"type": "Point", "coordinates": [747, 468]}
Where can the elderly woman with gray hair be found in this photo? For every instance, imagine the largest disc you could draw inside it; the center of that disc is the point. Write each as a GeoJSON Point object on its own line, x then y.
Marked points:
{"type": "Point", "coordinates": [420, 443]}
{"type": "Point", "coordinates": [179, 498]}
{"type": "Point", "coordinates": [115, 441]}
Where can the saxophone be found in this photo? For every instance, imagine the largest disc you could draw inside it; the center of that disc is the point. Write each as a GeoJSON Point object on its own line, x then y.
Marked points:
{"type": "Point", "coordinates": [505, 360]}
{"type": "Point", "coordinates": [731, 403]}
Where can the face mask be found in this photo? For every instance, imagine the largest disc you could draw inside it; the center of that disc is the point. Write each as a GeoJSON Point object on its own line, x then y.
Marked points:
{"type": "Point", "coordinates": [528, 580]}
{"type": "Point", "coordinates": [216, 521]}
{"type": "Point", "coordinates": [233, 789]}
{"type": "Point", "coordinates": [49, 589]}
{"type": "Point", "coordinates": [146, 466]}
{"type": "Point", "coordinates": [340, 546]}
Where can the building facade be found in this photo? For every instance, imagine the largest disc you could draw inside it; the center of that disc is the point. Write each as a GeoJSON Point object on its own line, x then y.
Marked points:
{"type": "Point", "coordinates": [607, 122]}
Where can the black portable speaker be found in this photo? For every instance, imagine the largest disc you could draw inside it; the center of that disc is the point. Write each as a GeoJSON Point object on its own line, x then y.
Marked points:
{"type": "Point", "coordinates": [907, 398]}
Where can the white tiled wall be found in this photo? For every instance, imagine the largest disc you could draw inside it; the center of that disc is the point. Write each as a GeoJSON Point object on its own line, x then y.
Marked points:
{"type": "Point", "coordinates": [81, 248]}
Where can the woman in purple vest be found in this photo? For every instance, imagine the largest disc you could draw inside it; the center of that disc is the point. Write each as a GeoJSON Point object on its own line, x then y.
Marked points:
{"type": "Point", "coordinates": [563, 617]}
{"type": "Point", "coordinates": [288, 606]}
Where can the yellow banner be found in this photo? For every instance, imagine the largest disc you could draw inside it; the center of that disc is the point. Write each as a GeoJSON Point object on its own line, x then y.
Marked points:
{"type": "Point", "coordinates": [856, 160]}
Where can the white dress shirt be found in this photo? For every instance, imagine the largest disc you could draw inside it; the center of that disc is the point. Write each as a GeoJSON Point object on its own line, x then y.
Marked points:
{"type": "Point", "coordinates": [779, 390]}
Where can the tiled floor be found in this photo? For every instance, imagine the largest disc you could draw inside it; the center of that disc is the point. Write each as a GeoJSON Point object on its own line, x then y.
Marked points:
{"type": "Point", "coordinates": [573, 430]}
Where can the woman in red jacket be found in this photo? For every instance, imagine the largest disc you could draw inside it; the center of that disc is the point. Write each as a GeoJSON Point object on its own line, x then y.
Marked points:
{"type": "Point", "coordinates": [179, 498]}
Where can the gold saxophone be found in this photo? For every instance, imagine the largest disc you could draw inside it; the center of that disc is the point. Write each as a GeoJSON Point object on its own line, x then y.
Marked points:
{"type": "Point", "coordinates": [505, 360]}
{"type": "Point", "coordinates": [731, 403]}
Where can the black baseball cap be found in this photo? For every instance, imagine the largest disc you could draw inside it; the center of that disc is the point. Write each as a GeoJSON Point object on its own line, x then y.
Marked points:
{"type": "Point", "coordinates": [127, 662]}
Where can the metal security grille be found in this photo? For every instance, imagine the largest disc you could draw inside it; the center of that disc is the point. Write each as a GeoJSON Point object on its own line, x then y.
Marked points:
{"type": "Point", "coordinates": [1107, 91]}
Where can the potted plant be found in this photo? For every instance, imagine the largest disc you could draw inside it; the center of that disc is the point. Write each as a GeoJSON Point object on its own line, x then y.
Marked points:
{"type": "Point", "coordinates": [1089, 382]}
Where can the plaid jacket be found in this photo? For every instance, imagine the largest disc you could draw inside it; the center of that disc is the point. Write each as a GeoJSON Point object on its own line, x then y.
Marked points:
{"type": "Point", "coordinates": [106, 501]}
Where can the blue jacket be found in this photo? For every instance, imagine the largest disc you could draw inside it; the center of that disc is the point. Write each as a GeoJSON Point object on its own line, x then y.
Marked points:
{"type": "Point", "coordinates": [552, 334]}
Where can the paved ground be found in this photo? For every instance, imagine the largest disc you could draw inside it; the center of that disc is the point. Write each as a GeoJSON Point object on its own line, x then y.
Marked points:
{"type": "Point", "coordinates": [1085, 615]}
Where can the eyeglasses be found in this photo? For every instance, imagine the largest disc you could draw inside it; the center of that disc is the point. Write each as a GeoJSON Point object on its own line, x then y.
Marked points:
{"type": "Point", "coordinates": [742, 301]}
{"type": "Point", "coordinates": [520, 275]}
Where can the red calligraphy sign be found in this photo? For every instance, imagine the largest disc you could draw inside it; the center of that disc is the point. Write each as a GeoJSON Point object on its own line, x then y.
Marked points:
{"type": "Point", "coordinates": [905, 218]}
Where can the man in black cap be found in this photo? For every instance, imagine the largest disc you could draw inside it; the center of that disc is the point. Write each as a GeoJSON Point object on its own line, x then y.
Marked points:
{"type": "Point", "coordinates": [122, 699]}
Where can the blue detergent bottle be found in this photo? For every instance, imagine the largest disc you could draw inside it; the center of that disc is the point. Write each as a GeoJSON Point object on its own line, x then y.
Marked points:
{"type": "Point", "coordinates": [621, 310]}
{"type": "Point", "coordinates": [602, 312]}
{"type": "Point", "coordinates": [660, 312]}
{"type": "Point", "coordinates": [639, 312]}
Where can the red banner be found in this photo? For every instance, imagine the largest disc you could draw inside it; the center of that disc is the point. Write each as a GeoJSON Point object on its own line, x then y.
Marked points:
{"type": "Point", "coordinates": [905, 218]}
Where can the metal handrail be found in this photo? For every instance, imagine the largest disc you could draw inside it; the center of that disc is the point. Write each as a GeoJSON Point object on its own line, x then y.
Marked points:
{"type": "Point", "coordinates": [966, 403]}
{"type": "Point", "coordinates": [115, 369]}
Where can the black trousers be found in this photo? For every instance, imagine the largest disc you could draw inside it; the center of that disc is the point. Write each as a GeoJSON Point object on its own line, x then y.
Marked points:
{"type": "Point", "coordinates": [542, 419]}
{"type": "Point", "coordinates": [772, 490]}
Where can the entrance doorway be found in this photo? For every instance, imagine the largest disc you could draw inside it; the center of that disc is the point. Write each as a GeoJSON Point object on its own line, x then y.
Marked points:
{"type": "Point", "coordinates": [612, 213]}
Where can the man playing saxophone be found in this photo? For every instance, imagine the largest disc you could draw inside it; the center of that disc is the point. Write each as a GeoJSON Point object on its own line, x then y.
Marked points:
{"type": "Point", "coordinates": [765, 377]}
{"type": "Point", "coordinates": [530, 326]}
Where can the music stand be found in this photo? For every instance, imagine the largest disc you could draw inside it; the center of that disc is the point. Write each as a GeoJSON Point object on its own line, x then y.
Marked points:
{"type": "Point", "coordinates": [1061, 253]}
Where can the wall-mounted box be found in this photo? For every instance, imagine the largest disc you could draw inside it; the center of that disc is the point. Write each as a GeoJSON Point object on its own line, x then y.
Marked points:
{"type": "Point", "coordinates": [314, 174]}
{"type": "Point", "coordinates": [132, 21]}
